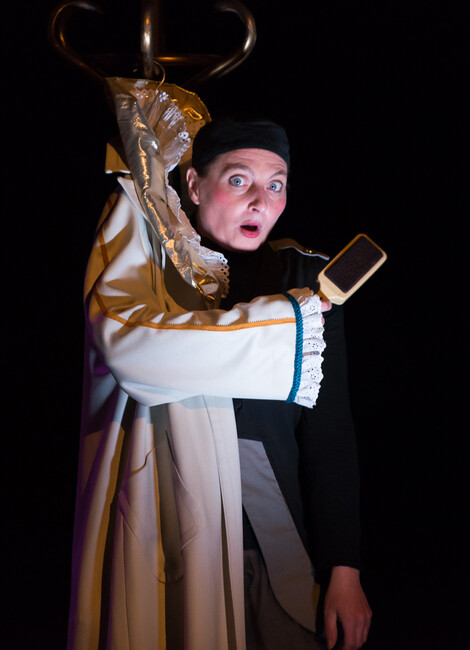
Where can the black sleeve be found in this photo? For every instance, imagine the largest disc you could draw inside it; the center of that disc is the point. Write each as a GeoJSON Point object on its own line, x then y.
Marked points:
{"type": "Point", "coordinates": [328, 465]}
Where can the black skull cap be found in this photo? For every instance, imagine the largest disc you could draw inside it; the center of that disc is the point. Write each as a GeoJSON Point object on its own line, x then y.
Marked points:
{"type": "Point", "coordinates": [231, 133]}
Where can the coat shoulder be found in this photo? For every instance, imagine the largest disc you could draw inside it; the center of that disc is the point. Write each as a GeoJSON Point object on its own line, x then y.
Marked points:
{"type": "Point", "coordinates": [298, 264]}
{"type": "Point", "coordinates": [291, 244]}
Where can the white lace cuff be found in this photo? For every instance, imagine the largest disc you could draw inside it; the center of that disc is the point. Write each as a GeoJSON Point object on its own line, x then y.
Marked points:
{"type": "Point", "coordinates": [309, 347]}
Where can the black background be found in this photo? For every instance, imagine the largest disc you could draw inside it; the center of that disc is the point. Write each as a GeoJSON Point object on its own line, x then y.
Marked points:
{"type": "Point", "coordinates": [373, 96]}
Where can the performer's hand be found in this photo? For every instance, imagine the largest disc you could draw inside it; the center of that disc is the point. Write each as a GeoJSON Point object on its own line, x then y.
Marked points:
{"type": "Point", "coordinates": [325, 306]}
{"type": "Point", "coordinates": [346, 602]}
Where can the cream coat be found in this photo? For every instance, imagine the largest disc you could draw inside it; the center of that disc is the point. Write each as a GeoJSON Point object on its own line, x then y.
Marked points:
{"type": "Point", "coordinates": [158, 533]}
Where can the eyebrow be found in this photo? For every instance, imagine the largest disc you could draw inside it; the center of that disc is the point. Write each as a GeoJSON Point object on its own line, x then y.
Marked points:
{"type": "Point", "coordinates": [230, 166]}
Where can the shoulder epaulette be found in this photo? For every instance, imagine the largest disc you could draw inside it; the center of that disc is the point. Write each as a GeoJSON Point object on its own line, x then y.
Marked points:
{"type": "Point", "coordinates": [281, 244]}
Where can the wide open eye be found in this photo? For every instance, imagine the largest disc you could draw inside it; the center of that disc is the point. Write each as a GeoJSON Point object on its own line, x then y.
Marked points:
{"type": "Point", "coordinates": [276, 186]}
{"type": "Point", "coordinates": [237, 181]}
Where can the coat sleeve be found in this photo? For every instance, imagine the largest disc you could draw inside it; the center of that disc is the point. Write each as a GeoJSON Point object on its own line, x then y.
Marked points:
{"type": "Point", "coordinates": [160, 352]}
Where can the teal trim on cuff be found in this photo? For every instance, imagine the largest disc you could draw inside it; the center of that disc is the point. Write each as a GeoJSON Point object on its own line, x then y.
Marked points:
{"type": "Point", "coordinates": [299, 341]}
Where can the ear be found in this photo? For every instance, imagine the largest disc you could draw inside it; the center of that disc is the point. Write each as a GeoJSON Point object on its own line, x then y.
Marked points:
{"type": "Point", "coordinates": [192, 180]}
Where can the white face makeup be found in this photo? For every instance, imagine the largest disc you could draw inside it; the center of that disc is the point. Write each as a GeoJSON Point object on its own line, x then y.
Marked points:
{"type": "Point", "coordinates": [240, 198]}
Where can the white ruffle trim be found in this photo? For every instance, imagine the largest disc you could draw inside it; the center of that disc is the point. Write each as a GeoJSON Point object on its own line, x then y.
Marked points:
{"type": "Point", "coordinates": [312, 348]}
{"type": "Point", "coordinates": [174, 132]}
{"type": "Point", "coordinates": [157, 129]}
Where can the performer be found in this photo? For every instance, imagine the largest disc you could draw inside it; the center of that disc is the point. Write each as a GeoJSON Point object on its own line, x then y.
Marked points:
{"type": "Point", "coordinates": [171, 347]}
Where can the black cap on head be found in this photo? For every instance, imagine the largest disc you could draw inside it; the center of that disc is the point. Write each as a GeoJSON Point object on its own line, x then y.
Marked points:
{"type": "Point", "coordinates": [228, 134]}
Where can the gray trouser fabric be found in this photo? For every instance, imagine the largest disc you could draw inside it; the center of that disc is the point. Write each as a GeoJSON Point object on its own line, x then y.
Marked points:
{"type": "Point", "coordinates": [268, 627]}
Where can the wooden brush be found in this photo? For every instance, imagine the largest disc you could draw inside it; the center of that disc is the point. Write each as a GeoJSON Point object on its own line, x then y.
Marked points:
{"type": "Point", "coordinates": [350, 269]}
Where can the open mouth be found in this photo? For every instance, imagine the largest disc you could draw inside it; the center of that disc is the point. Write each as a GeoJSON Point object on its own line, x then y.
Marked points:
{"type": "Point", "coordinates": [250, 229]}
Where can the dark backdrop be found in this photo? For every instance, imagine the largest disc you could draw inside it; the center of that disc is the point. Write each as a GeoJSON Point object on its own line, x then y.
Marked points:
{"type": "Point", "coordinates": [373, 96]}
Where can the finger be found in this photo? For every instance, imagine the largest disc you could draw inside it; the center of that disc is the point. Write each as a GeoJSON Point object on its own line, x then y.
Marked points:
{"type": "Point", "coordinates": [366, 628]}
{"type": "Point", "coordinates": [331, 630]}
{"type": "Point", "coordinates": [363, 630]}
{"type": "Point", "coordinates": [350, 637]}
{"type": "Point", "coordinates": [355, 634]}
{"type": "Point", "coordinates": [326, 305]}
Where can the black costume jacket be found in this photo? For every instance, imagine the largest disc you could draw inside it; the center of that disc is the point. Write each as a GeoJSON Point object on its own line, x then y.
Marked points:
{"type": "Point", "coordinates": [312, 451]}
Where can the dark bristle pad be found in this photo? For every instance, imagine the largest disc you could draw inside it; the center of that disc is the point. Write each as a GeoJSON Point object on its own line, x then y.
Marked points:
{"type": "Point", "coordinates": [353, 264]}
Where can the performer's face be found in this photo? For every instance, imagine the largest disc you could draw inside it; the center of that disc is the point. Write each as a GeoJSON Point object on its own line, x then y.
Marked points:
{"type": "Point", "coordinates": [240, 197]}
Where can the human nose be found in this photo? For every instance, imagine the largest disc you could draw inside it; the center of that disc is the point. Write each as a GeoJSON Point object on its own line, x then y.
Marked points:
{"type": "Point", "coordinates": [257, 199]}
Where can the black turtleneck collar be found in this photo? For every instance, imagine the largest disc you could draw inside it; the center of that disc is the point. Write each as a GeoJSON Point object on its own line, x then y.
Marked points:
{"type": "Point", "coordinates": [251, 273]}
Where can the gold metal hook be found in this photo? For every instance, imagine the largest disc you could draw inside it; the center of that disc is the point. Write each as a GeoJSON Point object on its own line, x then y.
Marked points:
{"type": "Point", "coordinates": [151, 42]}
{"type": "Point", "coordinates": [226, 65]}
{"type": "Point", "coordinates": [58, 39]}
